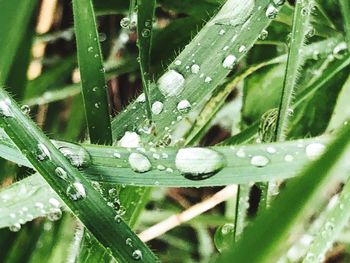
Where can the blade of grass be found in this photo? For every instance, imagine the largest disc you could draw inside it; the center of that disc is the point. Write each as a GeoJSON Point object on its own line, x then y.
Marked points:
{"type": "Point", "coordinates": [145, 16]}
{"type": "Point", "coordinates": [345, 9]}
{"type": "Point", "coordinates": [15, 16]}
{"type": "Point", "coordinates": [269, 235]}
{"type": "Point", "coordinates": [75, 191]}
{"type": "Point", "coordinates": [301, 25]}
{"type": "Point", "coordinates": [92, 71]}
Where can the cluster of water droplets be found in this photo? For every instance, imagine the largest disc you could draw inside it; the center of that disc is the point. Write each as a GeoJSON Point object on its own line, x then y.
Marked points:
{"type": "Point", "coordinates": [136, 254]}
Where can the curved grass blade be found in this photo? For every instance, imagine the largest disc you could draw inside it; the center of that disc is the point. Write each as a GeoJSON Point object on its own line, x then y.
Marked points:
{"type": "Point", "coordinates": [92, 72]}
{"type": "Point", "coordinates": [301, 25]}
{"type": "Point", "coordinates": [74, 190]}
{"type": "Point", "coordinates": [269, 235]}
{"type": "Point", "coordinates": [145, 16]}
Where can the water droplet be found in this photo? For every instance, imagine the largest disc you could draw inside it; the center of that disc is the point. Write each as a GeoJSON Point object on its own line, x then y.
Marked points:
{"type": "Point", "coordinates": [199, 163]}
{"type": "Point", "coordinates": [61, 173]}
{"type": "Point", "coordinates": [130, 140]}
{"type": "Point", "coordinates": [54, 214]}
{"type": "Point", "coordinates": [146, 32]}
{"type": "Point", "coordinates": [305, 11]}
{"type": "Point", "coordinates": [116, 155]}
{"type": "Point", "coordinates": [5, 108]}
{"type": "Point", "coordinates": [222, 32]}
{"type": "Point", "coordinates": [90, 49]}
{"type": "Point", "coordinates": [271, 11]}
{"type": "Point", "coordinates": [177, 62]}
{"type": "Point", "coordinates": [25, 109]}
{"type": "Point", "coordinates": [15, 227]}
{"type": "Point", "coordinates": [54, 202]}
{"type": "Point", "coordinates": [137, 254]}
{"type": "Point", "coordinates": [241, 153]}
{"type": "Point", "coordinates": [263, 35]}
{"type": "Point", "coordinates": [314, 150]}
{"type": "Point", "coordinates": [242, 49]}
{"type": "Point", "coordinates": [76, 191]}
{"type": "Point", "coordinates": [125, 22]}
{"type": "Point", "coordinates": [139, 162]}
{"type": "Point", "coordinates": [207, 80]}
{"type": "Point", "coordinates": [229, 62]}
{"type": "Point", "coordinates": [141, 98]}
{"type": "Point", "coordinates": [340, 50]}
{"type": "Point", "coordinates": [157, 107]}
{"type": "Point", "coordinates": [183, 106]}
{"type": "Point", "coordinates": [195, 69]}
{"type": "Point", "coordinates": [97, 105]}
{"type": "Point", "coordinates": [289, 158]}
{"type": "Point", "coordinates": [78, 156]}
{"type": "Point", "coordinates": [118, 219]}
{"type": "Point", "coordinates": [259, 160]}
{"type": "Point", "coordinates": [278, 2]}
{"type": "Point", "coordinates": [43, 152]}
{"type": "Point", "coordinates": [271, 150]}
{"type": "Point", "coordinates": [171, 83]}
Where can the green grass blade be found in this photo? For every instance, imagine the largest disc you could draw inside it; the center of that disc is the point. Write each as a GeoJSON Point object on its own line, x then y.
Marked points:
{"type": "Point", "coordinates": [75, 191]}
{"type": "Point", "coordinates": [14, 18]}
{"type": "Point", "coordinates": [270, 236]}
{"type": "Point", "coordinates": [345, 9]}
{"type": "Point", "coordinates": [145, 16]}
{"type": "Point", "coordinates": [92, 72]}
{"type": "Point", "coordinates": [335, 221]}
{"type": "Point", "coordinates": [301, 25]}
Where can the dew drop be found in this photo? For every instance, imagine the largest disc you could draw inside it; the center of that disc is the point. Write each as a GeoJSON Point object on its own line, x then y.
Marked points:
{"type": "Point", "coordinates": [340, 50]}
{"type": "Point", "coordinates": [61, 173]}
{"type": "Point", "coordinates": [314, 150]}
{"type": "Point", "coordinates": [25, 109]}
{"type": "Point", "coordinates": [157, 107]}
{"type": "Point", "coordinates": [90, 49]}
{"type": "Point", "coordinates": [76, 191]}
{"type": "Point", "coordinates": [125, 22]}
{"type": "Point", "coordinates": [171, 83]}
{"type": "Point", "coordinates": [146, 33]}
{"type": "Point", "coordinates": [54, 214]}
{"type": "Point", "coordinates": [78, 157]}
{"type": "Point", "coordinates": [15, 227]}
{"type": "Point", "coordinates": [278, 2]}
{"type": "Point", "coordinates": [271, 11]}
{"type": "Point", "coordinates": [207, 79]}
{"type": "Point", "coordinates": [116, 155]}
{"type": "Point", "coordinates": [271, 150]}
{"type": "Point", "coordinates": [263, 35]}
{"type": "Point", "coordinates": [130, 140]}
{"type": "Point", "coordinates": [229, 62]}
{"type": "Point", "coordinates": [137, 254]}
{"type": "Point", "coordinates": [241, 153]}
{"type": "Point", "coordinates": [43, 152]}
{"type": "Point", "coordinates": [259, 160]}
{"type": "Point", "coordinates": [242, 49]}
{"type": "Point", "coordinates": [183, 106]}
{"type": "Point", "coordinates": [199, 163]}
{"type": "Point", "coordinates": [195, 69]}
{"type": "Point", "coordinates": [139, 163]}
{"type": "Point", "coordinates": [141, 98]}
{"type": "Point", "coordinates": [177, 62]}
{"type": "Point", "coordinates": [222, 32]}
{"type": "Point", "coordinates": [54, 202]}
{"type": "Point", "coordinates": [289, 158]}
{"type": "Point", "coordinates": [97, 105]}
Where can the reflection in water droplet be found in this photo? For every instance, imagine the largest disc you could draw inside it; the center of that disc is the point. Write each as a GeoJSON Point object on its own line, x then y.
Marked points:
{"type": "Point", "coordinates": [199, 163]}
{"type": "Point", "coordinates": [259, 160]}
{"type": "Point", "coordinates": [139, 163]}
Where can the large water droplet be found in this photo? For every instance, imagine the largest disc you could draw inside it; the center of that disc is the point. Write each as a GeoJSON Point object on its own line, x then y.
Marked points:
{"type": "Point", "coordinates": [171, 83]}
{"type": "Point", "coordinates": [157, 107]}
{"type": "Point", "coordinates": [259, 160]}
{"type": "Point", "coordinates": [199, 163]}
{"type": "Point", "coordinates": [224, 236]}
{"type": "Point", "coordinates": [183, 105]}
{"type": "Point", "coordinates": [314, 150]}
{"type": "Point", "coordinates": [130, 140]}
{"type": "Point", "coordinates": [76, 191]}
{"type": "Point", "coordinates": [229, 62]}
{"type": "Point", "coordinates": [76, 154]}
{"type": "Point", "coordinates": [271, 11]}
{"type": "Point", "coordinates": [139, 163]}
{"type": "Point", "coordinates": [43, 153]}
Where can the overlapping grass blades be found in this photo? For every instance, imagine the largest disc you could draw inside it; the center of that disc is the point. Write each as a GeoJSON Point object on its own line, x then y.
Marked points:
{"type": "Point", "coordinates": [75, 191]}
{"type": "Point", "coordinates": [268, 234]}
